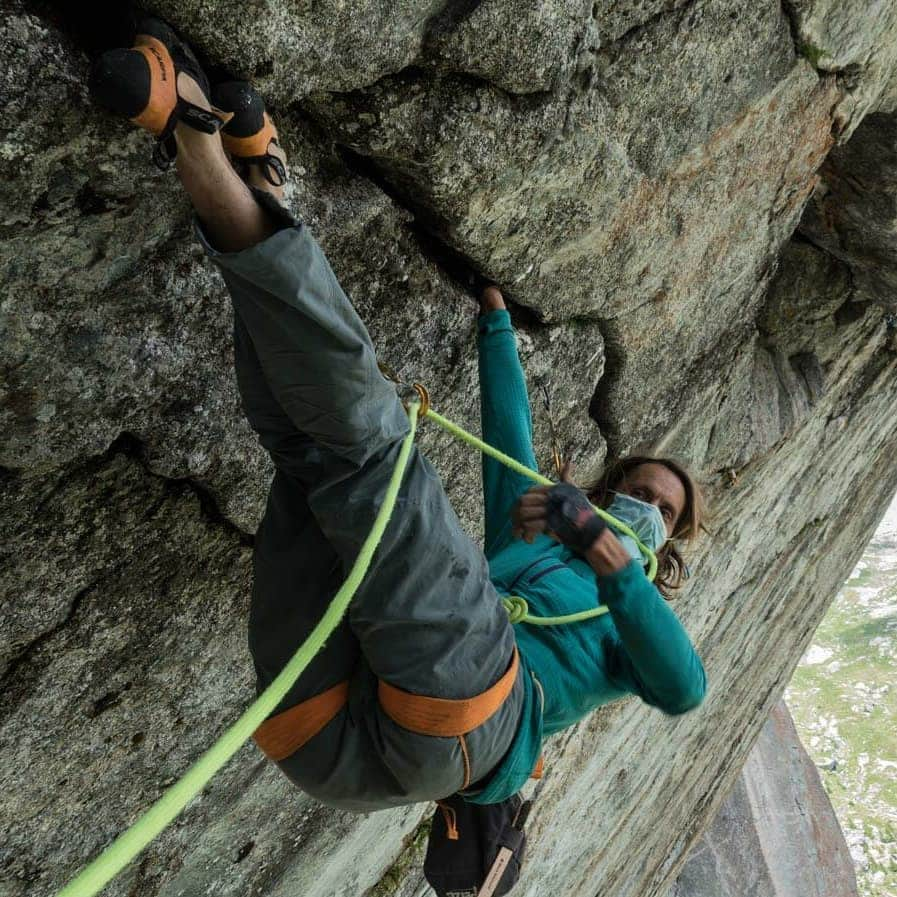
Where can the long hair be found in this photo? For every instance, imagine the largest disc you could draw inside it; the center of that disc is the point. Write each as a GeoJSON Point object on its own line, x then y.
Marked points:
{"type": "Point", "coordinates": [671, 568]}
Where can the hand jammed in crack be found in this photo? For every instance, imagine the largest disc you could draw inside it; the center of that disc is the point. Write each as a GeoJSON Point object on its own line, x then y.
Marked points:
{"type": "Point", "coordinates": [491, 299]}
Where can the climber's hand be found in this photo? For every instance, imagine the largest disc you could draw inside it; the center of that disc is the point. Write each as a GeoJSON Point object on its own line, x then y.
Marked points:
{"type": "Point", "coordinates": [490, 300]}
{"type": "Point", "coordinates": [570, 517]}
{"type": "Point", "coordinates": [529, 516]}
{"type": "Point", "coordinates": [607, 555]}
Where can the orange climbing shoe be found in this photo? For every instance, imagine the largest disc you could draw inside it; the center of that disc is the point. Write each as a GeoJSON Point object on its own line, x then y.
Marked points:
{"type": "Point", "coordinates": [250, 136]}
{"type": "Point", "coordinates": [141, 83]}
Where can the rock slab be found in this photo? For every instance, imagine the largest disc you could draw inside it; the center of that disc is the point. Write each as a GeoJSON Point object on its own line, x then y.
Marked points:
{"type": "Point", "coordinates": [776, 835]}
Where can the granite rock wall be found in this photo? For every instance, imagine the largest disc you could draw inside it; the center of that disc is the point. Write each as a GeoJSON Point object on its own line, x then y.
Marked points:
{"type": "Point", "coordinates": [691, 205]}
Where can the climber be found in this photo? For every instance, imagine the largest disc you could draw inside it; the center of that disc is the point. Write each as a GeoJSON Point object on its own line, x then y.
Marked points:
{"type": "Point", "coordinates": [426, 689]}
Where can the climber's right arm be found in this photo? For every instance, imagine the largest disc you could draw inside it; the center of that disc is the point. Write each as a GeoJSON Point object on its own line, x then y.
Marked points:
{"type": "Point", "coordinates": [649, 652]}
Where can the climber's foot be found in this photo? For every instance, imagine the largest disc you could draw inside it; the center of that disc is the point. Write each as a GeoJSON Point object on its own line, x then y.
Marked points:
{"type": "Point", "coordinates": [160, 86]}
{"type": "Point", "coordinates": [251, 138]}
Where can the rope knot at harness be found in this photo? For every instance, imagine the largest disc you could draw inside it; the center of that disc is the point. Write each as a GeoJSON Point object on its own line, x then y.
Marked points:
{"type": "Point", "coordinates": [516, 607]}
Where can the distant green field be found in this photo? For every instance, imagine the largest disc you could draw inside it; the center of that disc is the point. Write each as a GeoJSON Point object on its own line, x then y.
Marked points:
{"type": "Point", "coordinates": [844, 701]}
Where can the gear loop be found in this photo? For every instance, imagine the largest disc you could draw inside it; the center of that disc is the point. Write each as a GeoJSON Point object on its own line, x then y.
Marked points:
{"type": "Point", "coordinates": [424, 397]}
{"type": "Point", "coordinates": [420, 392]}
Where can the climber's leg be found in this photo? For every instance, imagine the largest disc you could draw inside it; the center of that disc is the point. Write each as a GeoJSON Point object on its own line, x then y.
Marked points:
{"type": "Point", "coordinates": [427, 618]}
{"type": "Point", "coordinates": [316, 354]}
{"type": "Point", "coordinates": [452, 642]}
{"type": "Point", "coordinates": [297, 572]}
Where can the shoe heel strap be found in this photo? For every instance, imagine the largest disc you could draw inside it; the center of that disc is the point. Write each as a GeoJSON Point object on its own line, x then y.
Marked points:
{"type": "Point", "coordinates": [271, 168]}
{"type": "Point", "coordinates": [209, 121]}
{"type": "Point", "coordinates": [205, 120]}
{"type": "Point", "coordinates": [272, 164]}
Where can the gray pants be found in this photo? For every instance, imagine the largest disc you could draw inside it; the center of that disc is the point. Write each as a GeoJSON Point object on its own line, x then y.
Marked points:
{"type": "Point", "coordinates": [426, 618]}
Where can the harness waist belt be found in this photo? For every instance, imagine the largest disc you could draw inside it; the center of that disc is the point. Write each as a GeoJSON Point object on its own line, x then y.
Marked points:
{"type": "Point", "coordinates": [444, 716]}
{"type": "Point", "coordinates": [284, 734]}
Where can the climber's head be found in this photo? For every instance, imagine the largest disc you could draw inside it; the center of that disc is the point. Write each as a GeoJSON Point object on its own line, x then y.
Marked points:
{"type": "Point", "coordinates": [671, 488]}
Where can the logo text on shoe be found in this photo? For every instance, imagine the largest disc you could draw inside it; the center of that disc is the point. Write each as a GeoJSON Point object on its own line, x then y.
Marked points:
{"type": "Point", "coordinates": [160, 60]}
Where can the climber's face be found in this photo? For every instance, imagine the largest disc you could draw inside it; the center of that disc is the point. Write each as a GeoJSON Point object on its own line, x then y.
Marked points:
{"type": "Point", "coordinates": [659, 486]}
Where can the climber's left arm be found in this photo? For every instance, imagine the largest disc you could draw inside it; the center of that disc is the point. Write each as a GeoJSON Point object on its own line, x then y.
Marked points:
{"type": "Point", "coordinates": [506, 418]}
{"type": "Point", "coordinates": [650, 654]}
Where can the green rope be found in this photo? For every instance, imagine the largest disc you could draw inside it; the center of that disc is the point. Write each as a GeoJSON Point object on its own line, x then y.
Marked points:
{"type": "Point", "coordinates": [522, 469]}
{"type": "Point", "coordinates": [518, 612]}
{"type": "Point", "coordinates": [486, 449]}
{"type": "Point", "coordinates": [127, 845]}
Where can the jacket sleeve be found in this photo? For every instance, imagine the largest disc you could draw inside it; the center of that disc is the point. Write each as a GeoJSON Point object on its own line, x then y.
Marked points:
{"type": "Point", "coordinates": [506, 424]}
{"type": "Point", "coordinates": [650, 654]}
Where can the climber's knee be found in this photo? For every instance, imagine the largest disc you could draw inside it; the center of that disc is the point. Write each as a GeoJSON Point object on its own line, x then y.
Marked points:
{"type": "Point", "coordinates": [476, 731]}
{"type": "Point", "coordinates": [368, 426]}
{"type": "Point", "coordinates": [446, 717]}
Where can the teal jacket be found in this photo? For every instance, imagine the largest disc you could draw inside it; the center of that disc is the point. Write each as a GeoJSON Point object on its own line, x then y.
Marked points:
{"type": "Point", "coordinates": [639, 647]}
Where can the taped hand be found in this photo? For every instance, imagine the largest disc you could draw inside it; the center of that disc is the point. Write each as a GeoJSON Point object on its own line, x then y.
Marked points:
{"type": "Point", "coordinates": [571, 518]}
{"type": "Point", "coordinates": [562, 511]}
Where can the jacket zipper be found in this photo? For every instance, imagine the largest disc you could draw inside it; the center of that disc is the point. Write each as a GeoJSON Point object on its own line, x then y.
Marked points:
{"type": "Point", "coordinates": [523, 573]}
{"type": "Point", "coordinates": [542, 573]}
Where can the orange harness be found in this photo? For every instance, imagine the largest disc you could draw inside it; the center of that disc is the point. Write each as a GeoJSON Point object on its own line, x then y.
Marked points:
{"type": "Point", "coordinates": [283, 734]}
{"type": "Point", "coordinates": [442, 716]}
